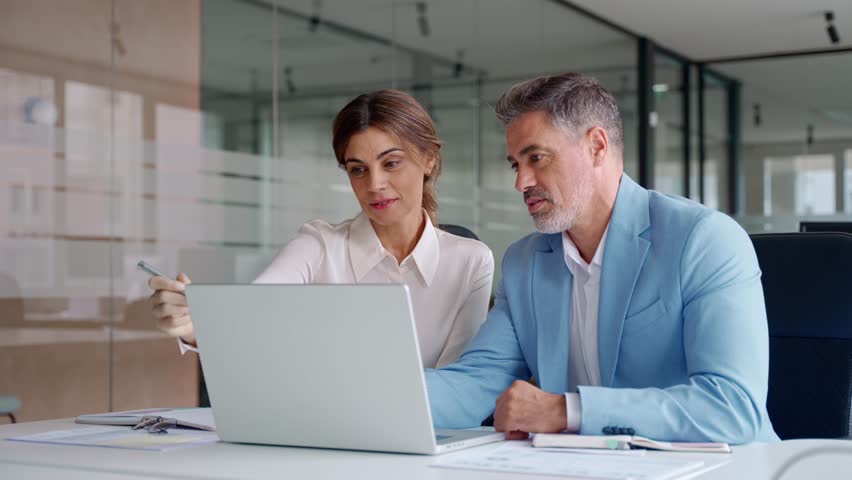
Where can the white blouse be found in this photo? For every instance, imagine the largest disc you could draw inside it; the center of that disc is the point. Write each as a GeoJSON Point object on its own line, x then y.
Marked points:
{"type": "Point", "coordinates": [449, 277]}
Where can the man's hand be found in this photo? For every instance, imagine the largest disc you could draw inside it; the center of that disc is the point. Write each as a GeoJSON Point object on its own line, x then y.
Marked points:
{"type": "Point", "coordinates": [524, 408]}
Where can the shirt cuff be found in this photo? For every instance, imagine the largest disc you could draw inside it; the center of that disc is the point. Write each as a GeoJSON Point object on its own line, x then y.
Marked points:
{"type": "Point", "coordinates": [185, 347]}
{"type": "Point", "coordinates": [573, 411]}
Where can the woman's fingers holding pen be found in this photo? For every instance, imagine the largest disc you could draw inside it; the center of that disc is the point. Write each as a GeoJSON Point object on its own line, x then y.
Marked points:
{"type": "Point", "coordinates": [169, 307]}
{"type": "Point", "coordinates": [164, 283]}
{"type": "Point", "coordinates": [165, 309]}
{"type": "Point", "coordinates": [177, 326]}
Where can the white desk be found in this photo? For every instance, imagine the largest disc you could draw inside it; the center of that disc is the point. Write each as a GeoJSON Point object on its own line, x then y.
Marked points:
{"type": "Point", "coordinates": [29, 460]}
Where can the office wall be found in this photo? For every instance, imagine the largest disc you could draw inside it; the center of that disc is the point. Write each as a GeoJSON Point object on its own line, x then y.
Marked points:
{"type": "Point", "coordinates": [81, 86]}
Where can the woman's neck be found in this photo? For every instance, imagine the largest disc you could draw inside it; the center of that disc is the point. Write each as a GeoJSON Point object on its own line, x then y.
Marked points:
{"type": "Point", "coordinates": [400, 238]}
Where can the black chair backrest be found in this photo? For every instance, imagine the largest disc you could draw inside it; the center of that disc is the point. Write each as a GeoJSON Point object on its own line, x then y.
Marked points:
{"type": "Point", "coordinates": [845, 227]}
{"type": "Point", "coordinates": [458, 230]}
{"type": "Point", "coordinates": [807, 285]}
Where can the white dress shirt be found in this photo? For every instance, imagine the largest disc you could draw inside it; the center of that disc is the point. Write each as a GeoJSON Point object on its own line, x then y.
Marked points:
{"type": "Point", "coordinates": [583, 365]}
{"type": "Point", "coordinates": [449, 277]}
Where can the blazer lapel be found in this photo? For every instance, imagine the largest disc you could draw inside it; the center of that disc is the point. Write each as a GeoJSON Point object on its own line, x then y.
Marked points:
{"type": "Point", "coordinates": [551, 289]}
{"type": "Point", "coordinates": [624, 255]}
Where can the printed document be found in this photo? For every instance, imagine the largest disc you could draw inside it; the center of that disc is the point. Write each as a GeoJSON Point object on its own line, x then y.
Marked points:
{"type": "Point", "coordinates": [124, 437]}
{"type": "Point", "coordinates": [521, 457]}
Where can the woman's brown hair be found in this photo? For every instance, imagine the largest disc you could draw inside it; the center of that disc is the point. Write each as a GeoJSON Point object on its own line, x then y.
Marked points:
{"type": "Point", "coordinates": [399, 115]}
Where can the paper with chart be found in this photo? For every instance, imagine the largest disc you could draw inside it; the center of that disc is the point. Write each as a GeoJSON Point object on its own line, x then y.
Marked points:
{"type": "Point", "coordinates": [521, 457]}
{"type": "Point", "coordinates": [124, 437]}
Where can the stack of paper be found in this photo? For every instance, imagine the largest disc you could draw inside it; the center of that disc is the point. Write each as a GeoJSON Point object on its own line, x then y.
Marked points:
{"type": "Point", "coordinates": [123, 437]}
{"type": "Point", "coordinates": [521, 457]}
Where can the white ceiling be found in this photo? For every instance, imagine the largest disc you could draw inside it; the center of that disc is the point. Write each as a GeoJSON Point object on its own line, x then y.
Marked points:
{"type": "Point", "coordinates": [702, 29]}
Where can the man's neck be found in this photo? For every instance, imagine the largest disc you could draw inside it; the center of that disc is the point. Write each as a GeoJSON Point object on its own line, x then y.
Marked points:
{"type": "Point", "coordinates": [587, 239]}
{"type": "Point", "coordinates": [589, 229]}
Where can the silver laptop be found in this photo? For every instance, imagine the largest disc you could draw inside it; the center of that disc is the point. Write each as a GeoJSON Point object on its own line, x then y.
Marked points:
{"type": "Point", "coordinates": [328, 366]}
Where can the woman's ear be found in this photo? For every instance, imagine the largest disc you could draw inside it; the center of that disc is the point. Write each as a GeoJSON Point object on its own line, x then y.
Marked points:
{"type": "Point", "coordinates": [429, 167]}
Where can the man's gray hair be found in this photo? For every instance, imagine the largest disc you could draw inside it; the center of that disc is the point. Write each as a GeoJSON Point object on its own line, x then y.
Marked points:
{"type": "Point", "coordinates": [571, 100]}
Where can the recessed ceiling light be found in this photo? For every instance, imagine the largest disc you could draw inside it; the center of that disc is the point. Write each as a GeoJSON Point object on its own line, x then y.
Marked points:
{"type": "Point", "coordinates": [660, 88]}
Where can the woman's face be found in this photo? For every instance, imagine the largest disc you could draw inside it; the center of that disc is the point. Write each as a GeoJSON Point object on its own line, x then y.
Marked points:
{"type": "Point", "coordinates": [386, 175]}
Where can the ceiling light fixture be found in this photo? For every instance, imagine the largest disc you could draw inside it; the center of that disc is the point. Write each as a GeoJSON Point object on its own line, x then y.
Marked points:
{"type": "Point", "coordinates": [314, 20]}
{"type": "Point", "coordinates": [832, 31]}
{"type": "Point", "coordinates": [755, 108]}
{"type": "Point", "coordinates": [288, 80]}
{"type": "Point", "coordinates": [422, 20]}
{"type": "Point", "coordinates": [117, 42]}
{"type": "Point", "coordinates": [458, 67]}
{"type": "Point", "coordinates": [660, 88]}
{"type": "Point", "coordinates": [810, 134]}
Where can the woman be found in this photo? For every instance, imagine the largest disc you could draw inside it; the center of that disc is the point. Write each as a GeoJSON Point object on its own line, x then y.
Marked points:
{"type": "Point", "coordinates": [387, 144]}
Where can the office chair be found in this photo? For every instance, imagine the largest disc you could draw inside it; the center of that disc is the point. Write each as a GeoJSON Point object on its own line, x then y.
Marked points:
{"type": "Point", "coordinates": [807, 286]}
{"type": "Point", "coordinates": [845, 227]}
{"type": "Point", "coordinates": [8, 406]}
{"type": "Point", "coordinates": [458, 230]}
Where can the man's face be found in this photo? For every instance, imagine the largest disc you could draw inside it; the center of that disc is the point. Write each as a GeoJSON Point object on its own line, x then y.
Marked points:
{"type": "Point", "coordinates": [554, 171]}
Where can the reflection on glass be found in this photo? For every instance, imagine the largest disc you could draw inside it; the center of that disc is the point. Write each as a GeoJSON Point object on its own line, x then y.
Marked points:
{"type": "Point", "coordinates": [795, 139]}
{"type": "Point", "coordinates": [800, 185]}
{"type": "Point", "coordinates": [669, 97]}
{"type": "Point", "coordinates": [716, 140]}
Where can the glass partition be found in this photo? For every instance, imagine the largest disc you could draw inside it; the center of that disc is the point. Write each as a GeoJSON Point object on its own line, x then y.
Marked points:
{"type": "Point", "coordinates": [797, 132]}
{"type": "Point", "coordinates": [196, 135]}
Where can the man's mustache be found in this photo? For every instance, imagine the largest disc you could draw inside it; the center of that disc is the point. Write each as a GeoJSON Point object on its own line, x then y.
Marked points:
{"type": "Point", "coordinates": [537, 193]}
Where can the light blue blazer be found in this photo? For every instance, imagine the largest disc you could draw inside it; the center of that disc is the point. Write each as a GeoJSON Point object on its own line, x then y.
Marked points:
{"type": "Point", "coordinates": [682, 334]}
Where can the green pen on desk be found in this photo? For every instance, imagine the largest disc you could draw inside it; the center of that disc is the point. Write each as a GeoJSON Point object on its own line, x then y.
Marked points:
{"type": "Point", "coordinates": [613, 444]}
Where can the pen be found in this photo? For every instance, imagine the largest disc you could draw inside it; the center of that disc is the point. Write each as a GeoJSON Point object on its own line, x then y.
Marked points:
{"type": "Point", "coordinates": [147, 268]}
{"type": "Point", "coordinates": [144, 266]}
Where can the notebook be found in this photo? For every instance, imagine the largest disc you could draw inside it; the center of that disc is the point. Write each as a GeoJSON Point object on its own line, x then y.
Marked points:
{"type": "Point", "coordinates": [198, 418]}
{"type": "Point", "coordinates": [624, 442]}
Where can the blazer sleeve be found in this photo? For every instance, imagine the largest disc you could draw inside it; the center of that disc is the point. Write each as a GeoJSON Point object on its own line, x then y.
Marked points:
{"type": "Point", "coordinates": [473, 310]}
{"type": "Point", "coordinates": [725, 340]}
{"type": "Point", "coordinates": [463, 393]}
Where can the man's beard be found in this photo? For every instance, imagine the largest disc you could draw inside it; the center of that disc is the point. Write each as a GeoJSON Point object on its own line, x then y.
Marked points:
{"type": "Point", "coordinates": [561, 218]}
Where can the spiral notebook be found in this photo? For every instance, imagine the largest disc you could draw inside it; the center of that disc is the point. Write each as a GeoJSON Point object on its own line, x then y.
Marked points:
{"type": "Point", "coordinates": [624, 442]}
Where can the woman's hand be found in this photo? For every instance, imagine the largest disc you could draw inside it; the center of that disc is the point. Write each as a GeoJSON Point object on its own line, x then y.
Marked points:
{"type": "Point", "coordinates": [168, 304]}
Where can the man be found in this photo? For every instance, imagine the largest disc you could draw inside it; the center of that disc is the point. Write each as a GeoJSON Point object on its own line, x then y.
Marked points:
{"type": "Point", "coordinates": [635, 312]}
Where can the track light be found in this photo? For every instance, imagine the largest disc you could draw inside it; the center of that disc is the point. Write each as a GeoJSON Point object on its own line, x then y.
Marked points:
{"type": "Point", "coordinates": [117, 41]}
{"type": "Point", "coordinates": [422, 21]}
{"type": "Point", "coordinates": [832, 31]}
{"type": "Point", "coordinates": [755, 108]}
{"type": "Point", "coordinates": [288, 80]}
{"type": "Point", "coordinates": [314, 20]}
{"type": "Point", "coordinates": [458, 67]}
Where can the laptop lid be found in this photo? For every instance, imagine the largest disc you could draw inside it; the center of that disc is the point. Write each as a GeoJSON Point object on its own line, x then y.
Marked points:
{"type": "Point", "coordinates": [331, 366]}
